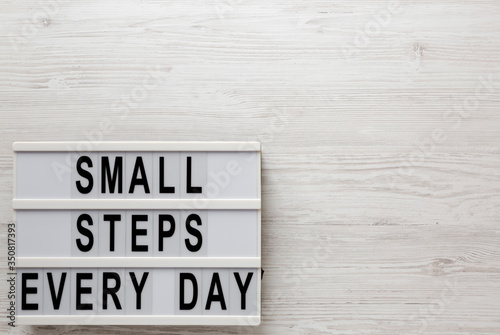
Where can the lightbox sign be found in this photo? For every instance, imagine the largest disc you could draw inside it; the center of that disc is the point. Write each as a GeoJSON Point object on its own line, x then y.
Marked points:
{"type": "Point", "coordinates": [138, 233]}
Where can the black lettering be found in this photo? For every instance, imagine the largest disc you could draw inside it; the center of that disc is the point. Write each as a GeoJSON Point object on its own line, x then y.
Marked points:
{"type": "Point", "coordinates": [138, 287]}
{"type": "Point", "coordinates": [112, 218]}
{"type": "Point", "coordinates": [112, 178]}
{"type": "Point", "coordinates": [28, 290]}
{"type": "Point", "coordinates": [191, 189]}
{"type": "Point", "coordinates": [215, 297]}
{"type": "Point", "coordinates": [195, 232]}
{"type": "Point", "coordinates": [85, 232]}
{"type": "Point", "coordinates": [182, 304]}
{"type": "Point", "coordinates": [243, 287]}
{"type": "Point", "coordinates": [56, 298]}
{"type": "Point", "coordinates": [106, 290]}
{"type": "Point", "coordinates": [163, 188]}
{"type": "Point", "coordinates": [139, 167]}
{"type": "Point", "coordinates": [135, 232]}
{"type": "Point", "coordinates": [165, 233]}
{"type": "Point", "coordinates": [85, 174]}
{"type": "Point", "coordinates": [83, 290]}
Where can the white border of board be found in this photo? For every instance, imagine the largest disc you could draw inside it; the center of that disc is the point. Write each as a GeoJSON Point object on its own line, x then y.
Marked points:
{"type": "Point", "coordinates": [152, 204]}
{"type": "Point", "coordinates": [140, 320]}
{"type": "Point", "coordinates": [138, 262]}
{"type": "Point", "coordinates": [86, 146]}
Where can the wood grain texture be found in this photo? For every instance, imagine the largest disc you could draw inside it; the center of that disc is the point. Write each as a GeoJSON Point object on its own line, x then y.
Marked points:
{"type": "Point", "coordinates": [380, 131]}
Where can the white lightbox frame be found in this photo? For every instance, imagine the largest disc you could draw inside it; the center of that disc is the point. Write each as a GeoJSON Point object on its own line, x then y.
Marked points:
{"type": "Point", "coordinates": [143, 262]}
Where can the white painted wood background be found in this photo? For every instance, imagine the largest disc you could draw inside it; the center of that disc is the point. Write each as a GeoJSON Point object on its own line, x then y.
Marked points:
{"type": "Point", "coordinates": [380, 129]}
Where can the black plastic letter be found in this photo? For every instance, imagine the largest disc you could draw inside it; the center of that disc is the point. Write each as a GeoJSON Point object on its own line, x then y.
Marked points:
{"type": "Point", "coordinates": [162, 218]}
{"type": "Point", "coordinates": [243, 287]}
{"type": "Point", "coordinates": [135, 232]}
{"type": "Point", "coordinates": [195, 232]}
{"type": "Point", "coordinates": [215, 297]}
{"type": "Point", "coordinates": [139, 167]}
{"type": "Point", "coordinates": [163, 188]}
{"type": "Point", "coordinates": [85, 174]}
{"type": "Point", "coordinates": [85, 232]}
{"type": "Point", "coordinates": [112, 178]}
{"type": "Point", "coordinates": [191, 189]}
{"type": "Point", "coordinates": [182, 304]}
{"type": "Point", "coordinates": [138, 287]}
{"type": "Point", "coordinates": [28, 290]}
{"type": "Point", "coordinates": [112, 218]}
{"type": "Point", "coordinates": [82, 290]}
{"type": "Point", "coordinates": [106, 276]}
{"type": "Point", "coordinates": [56, 298]}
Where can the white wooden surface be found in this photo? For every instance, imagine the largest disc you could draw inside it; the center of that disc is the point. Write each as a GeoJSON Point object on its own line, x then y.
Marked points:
{"type": "Point", "coordinates": [363, 232]}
